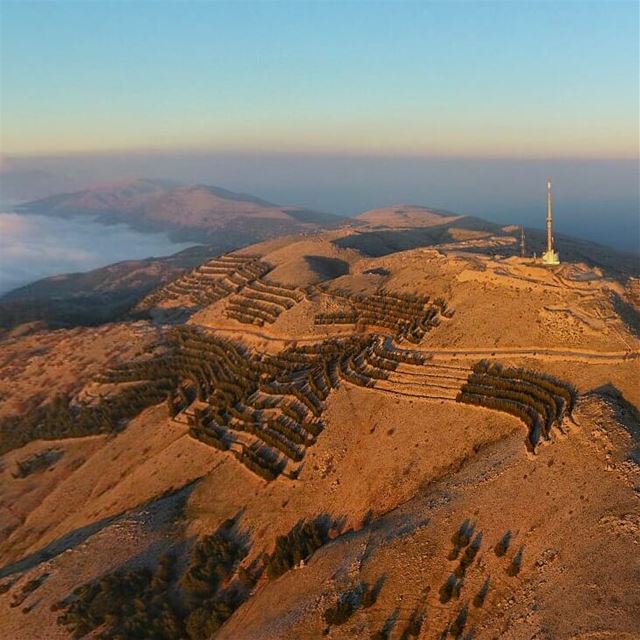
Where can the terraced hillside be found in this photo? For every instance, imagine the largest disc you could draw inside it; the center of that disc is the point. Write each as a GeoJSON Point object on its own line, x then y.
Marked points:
{"type": "Point", "coordinates": [539, 400]}
{"type": "Point", "coordinates": [266, 409]}
{"type": "Point", "coordinates": [261, 302]}
{"type": "Point", "coordinates": [304, 440]}
{"type": "Point", "coordinates": [215, 279]}
{"type": "Point", "coordinates": [408, 317]}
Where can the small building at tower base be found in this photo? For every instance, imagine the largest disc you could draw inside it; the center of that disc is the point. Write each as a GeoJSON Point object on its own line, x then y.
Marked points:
{"type": "Point", "coordinates": [550, 257]}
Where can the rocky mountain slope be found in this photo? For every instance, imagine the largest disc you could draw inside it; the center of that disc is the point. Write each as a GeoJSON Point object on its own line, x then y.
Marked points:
{"type": "Point", "coordinates": [93, 297]}
{"type": "Point", "coordinates": [194, 212]}
{"type": "Point", "coordinates": [375, 432]}
{"type": "Point", "coordinates": [218, 219]}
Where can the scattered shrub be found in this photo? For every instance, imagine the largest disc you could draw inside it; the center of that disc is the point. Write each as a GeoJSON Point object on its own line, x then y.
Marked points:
{"type": "Point", "coordinates": [37, 462]}
{"type": "Point", "coordinates": [297, 545]}
{"type": "Point", "coordinates": [516, 564]}
{"type": "Point", "coordinates": [340, 612]}
{"type": "Point", "coordinates": [502, 546]}
{"type": "Point", "coordinates": [62, 419]}
{"type": "Point", "coordinates": [450, 589]}
{"type": "Point", "coordinates": [212, 559]}
{"type": "Point", "coordinates": [27, 589]}
{"type": "Point", "coordinates": [462, 536]}
{"type": "Point", "coordinates": [369, 595]}
{"type": "Point", "coordinates": [160, 605]}
{"type": "Point", "coordinates": [479, 598]}
{"type": "Point", "coordinates": [469, 555]}
{"type": "Point", "coordinates": [457, 626]}
{"type": "Point", "coordinates": [414, 625]}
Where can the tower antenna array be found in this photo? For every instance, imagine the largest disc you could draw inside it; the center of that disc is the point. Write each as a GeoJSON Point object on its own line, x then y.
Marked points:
{"type": "Point", "coordinates": [550, 256]}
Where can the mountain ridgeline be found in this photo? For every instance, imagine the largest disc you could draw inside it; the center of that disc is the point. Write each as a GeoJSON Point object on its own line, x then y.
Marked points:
{"type": "Point", "coordinates": [217, 219]}
{"type": "Point", "coordinates": [223, 221]}
{"type": "Point", "coordinates": [197, 213]}
{"type": "Point", "coordinates": [399, 428]}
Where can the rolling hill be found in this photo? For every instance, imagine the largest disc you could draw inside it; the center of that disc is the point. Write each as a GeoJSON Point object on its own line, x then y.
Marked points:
{"type": "Point", "coordinates": [216, 218]}
{"type": "Point", "coordinates": [197, 212]}
{"type": "Point", "coordinates": [344, 434]}
{"type": "Point", "coordinates": [407, 215]}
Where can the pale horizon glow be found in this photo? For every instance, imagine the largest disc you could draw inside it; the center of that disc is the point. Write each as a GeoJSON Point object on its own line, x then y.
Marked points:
{"type": "Point", "coordinates": [463, 79]}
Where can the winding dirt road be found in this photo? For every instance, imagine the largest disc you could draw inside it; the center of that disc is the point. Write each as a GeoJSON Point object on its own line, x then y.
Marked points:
{"type": "Point", "coordinates": [464, 353]}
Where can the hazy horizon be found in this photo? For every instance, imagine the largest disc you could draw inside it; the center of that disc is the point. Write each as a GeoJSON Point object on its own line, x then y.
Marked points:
{"type": "Point", "coordinates": [336, 106]}
{"type": "Point", "coordinates": [484, 79]}
{"type": "Point", "coordinates": [597, 200]}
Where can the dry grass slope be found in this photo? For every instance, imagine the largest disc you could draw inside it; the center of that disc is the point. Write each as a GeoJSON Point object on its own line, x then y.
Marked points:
{"type": "Point", "coordinates": [325, 449]}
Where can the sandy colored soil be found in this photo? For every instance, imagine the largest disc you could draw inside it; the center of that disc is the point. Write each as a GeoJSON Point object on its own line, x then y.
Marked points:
{"type": "Point", "coordinates": [399, 465]}
{"type": "Point", "coordinates": [38, 366]}
{"type": "Point", "coordinates": [572, 510]}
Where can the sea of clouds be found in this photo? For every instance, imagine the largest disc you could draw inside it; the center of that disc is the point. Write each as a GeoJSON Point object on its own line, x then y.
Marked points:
{"type": "Point", "coordinates": [34, 246]}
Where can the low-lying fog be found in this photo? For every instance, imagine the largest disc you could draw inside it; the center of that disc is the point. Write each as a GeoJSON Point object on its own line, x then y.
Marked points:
{"type": "Point", "coordinates": [595, 199]}
{"type": "Point", "coordinates": [33, 246]}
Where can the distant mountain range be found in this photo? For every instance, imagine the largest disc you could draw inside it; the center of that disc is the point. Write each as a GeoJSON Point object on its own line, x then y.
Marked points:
{"type": "Point", "coordinates": [222, 221]}
{"type": "Point", "coordinates": [197, 213]}
{"type": "Point", "coordinates": [21, 182]}
{"type": "Point", "coordinates": [218, 219]}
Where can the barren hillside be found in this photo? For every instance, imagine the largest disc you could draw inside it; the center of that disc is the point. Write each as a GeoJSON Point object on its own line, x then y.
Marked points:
{"type": "Point", "coordinates": [388, 431]}
{"type": "Point", "coordinates": [191, 212]}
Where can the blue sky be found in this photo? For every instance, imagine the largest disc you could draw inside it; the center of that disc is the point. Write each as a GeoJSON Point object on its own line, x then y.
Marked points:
{"type": "Point", "coordinates": [480, 79]}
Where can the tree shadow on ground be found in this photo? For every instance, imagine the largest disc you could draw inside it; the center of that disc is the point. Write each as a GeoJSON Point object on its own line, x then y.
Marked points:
{"type": "Point", "coordinates": [166, 315]}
